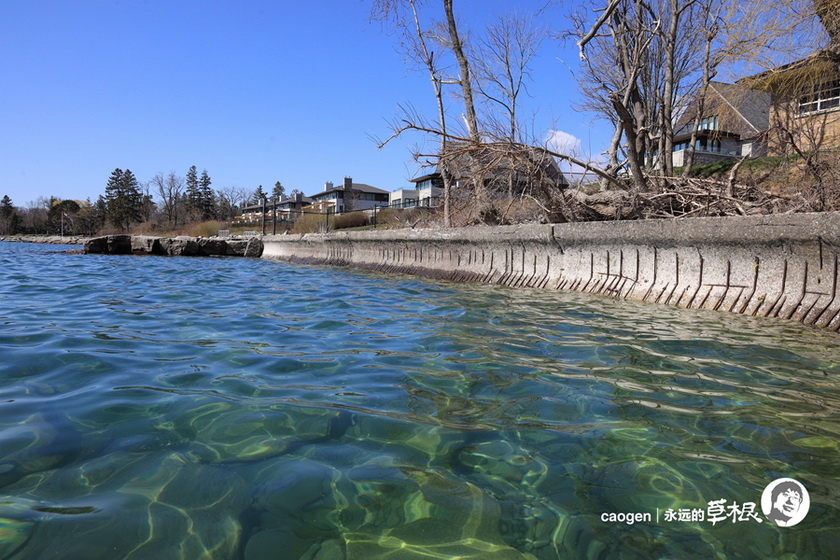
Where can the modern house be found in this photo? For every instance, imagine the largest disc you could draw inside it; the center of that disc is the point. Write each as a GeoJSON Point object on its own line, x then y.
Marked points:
{"type": "Point", "coordinates": [795, 105]}
{"type": "Point", "coordinates": [426, 192]}
{"type": "Point", "coordinates": [804, 104]}
{"type": "Point", "coordinates": [733, 122]}
{"type": "Point", "coordinates": [347, 198]}
{"type": "Point", "coordinates": [287, 209]}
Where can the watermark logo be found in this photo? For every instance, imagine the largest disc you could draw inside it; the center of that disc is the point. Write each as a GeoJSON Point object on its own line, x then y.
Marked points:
{"type": "Point", "coordinates": [785, 502]}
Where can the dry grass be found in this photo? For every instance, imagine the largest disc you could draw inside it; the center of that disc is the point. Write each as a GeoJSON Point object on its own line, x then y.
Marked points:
{"type": "Point", "coordinates": [313, 223]}
{"type": "Point", "coordinates": [204, 229]}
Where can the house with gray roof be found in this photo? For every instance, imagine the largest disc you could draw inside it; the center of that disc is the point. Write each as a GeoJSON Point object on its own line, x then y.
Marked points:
{"type": "Point", "coordinates": [348, 197]}
{"type": "Point", "coordinates": [733, 123]}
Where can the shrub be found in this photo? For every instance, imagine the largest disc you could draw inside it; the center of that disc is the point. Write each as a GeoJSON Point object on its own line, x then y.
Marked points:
{"type": "Point", "coordinates": [204, 229]}
{"type": "Point", "coordinates": [145, 228]}
{"type": "Point", "coordinates": [352, 219]}
{"type": "Point", "coordinates": [312, 223]}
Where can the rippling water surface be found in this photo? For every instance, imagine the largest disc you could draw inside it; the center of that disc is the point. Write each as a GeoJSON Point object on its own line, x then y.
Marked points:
{"type": "Point", "coordinates": [176, 408]}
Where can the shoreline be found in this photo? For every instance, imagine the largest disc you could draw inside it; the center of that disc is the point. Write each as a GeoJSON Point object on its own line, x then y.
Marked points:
{"type": "Point", "coordinates": [784, 266]}
{"type": "Point", "coordinates": [46, 239]}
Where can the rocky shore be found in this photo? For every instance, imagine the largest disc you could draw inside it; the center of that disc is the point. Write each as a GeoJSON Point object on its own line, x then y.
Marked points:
{"type": "Point", "coordinates": [50, 239]}
{"type": "Point", "coordinates": [181, 246]}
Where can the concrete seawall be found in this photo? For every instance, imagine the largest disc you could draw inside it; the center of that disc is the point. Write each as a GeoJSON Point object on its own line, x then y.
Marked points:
{"type": "Point", "coordinates": [772, 266]}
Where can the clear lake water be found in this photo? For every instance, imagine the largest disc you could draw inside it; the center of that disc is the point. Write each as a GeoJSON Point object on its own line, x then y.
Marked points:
{"type": "Point", "coordinates": [222, 408]}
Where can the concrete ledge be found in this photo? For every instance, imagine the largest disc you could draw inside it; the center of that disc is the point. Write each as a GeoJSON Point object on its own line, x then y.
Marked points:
{"type": "Point", "coordinates": [782, 266]}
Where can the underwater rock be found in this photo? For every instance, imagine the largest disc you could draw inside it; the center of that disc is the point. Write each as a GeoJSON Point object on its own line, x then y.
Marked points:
{"type": "Point", "coordinates": [332, 549]}
{"type": "Point", "coordinates": [158, 507]}
{"type": "Point", "coordinates": [13, 533]}
{"type": "Point", "coordinates": [242, 435]}
{"type": "Point", "coordinates": [267, 544]}
{"type": "Point", "coordinates": [445, 517]}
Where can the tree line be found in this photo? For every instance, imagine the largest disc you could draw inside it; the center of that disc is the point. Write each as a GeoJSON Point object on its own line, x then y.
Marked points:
{"type": "Point", "coordinates": [164, 202]}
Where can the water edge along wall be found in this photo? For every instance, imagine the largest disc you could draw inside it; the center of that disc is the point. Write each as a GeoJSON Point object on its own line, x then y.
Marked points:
{"type": "Point", "coordinates": [772, 266]}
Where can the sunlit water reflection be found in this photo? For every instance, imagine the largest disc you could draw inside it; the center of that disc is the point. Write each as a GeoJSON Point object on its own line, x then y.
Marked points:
{"type": "Point", "coordinates": [241, 409]}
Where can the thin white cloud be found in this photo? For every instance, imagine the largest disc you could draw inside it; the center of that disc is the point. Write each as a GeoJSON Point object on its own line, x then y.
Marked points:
{"type": "Point", "coordinates": [563, 143]}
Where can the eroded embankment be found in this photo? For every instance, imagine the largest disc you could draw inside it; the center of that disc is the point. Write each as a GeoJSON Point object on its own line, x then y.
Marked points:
{"type": "Point", "coordinates": [773, 266]}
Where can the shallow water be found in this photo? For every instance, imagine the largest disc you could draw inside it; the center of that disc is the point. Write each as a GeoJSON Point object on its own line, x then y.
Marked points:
{"type": "Point", "coordinates": [241, 409]}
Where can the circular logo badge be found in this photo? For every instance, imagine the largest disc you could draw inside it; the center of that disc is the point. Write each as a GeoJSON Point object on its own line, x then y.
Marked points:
{"type": "Point", "coordinates": [785, 502]}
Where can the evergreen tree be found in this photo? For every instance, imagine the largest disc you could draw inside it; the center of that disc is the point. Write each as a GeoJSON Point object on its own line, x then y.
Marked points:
{"type": "Point", "coordinates": [258, 195]}
{"type": "Point", "coordinates": [207, 197]}
{"type": "Point", "coordinates": [9, 219]}
{"type": "Point", "coordinates": [123, 199]}
{"type": "Point", "coordinates": [15, 225]}
{"type": "Point", "coordinates": [279, 191]}
{"type": "Point", "coordinates": [100, 213]}
{"type": "Point", "coordinates": [193, 195]}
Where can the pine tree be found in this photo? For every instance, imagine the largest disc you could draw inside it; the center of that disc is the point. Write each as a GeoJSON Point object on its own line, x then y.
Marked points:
{"type": "Point", "coordinates": [258, 195]}
{"type": "Point", "coordinates": [8, 223]}
{"type": "Point", "coordinates": [100, 213]}
{"type": "Point", "coordinates": [123, 199]}
{"type": "Point", "coordinates": [207, 197]}
{"type": "Point", "coordinates": [279, 191]}
{"type": "Point", "coordinates": [193, 195]}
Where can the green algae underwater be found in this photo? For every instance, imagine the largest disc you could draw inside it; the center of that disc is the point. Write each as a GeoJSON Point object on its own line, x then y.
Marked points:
{"type": "Point", "coordinates": [177, 408]}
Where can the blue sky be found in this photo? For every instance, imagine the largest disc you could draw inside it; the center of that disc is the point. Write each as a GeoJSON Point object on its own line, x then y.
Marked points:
{"type": "Point", "coordinates": [252, 91]}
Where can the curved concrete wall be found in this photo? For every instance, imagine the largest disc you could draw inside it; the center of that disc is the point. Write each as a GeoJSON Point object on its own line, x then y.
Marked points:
{"type": "Point", "coordinates": [775, 266]}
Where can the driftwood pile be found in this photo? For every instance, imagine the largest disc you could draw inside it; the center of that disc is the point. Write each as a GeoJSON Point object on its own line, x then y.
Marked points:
{"type": "Point", "coordinates": [678, 198]}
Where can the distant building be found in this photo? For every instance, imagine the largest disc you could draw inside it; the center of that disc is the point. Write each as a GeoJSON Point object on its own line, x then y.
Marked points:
{"type": "Point", "coordinates": [426, 192]}
{"type": "Point", "coordinates": [805, 104]}
{"type": "Point", "coordinates": [288, 209]}
{"type": "Point", "coordinates": [346, 198]}
{"type": "Point", "coordinates": [764, 114]}
{"type": "Point", "coordinates": [733, 123]}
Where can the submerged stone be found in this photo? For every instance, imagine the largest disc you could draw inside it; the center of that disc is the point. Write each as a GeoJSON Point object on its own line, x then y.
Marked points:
{"type": "Point", "coordinates": [13, 533]}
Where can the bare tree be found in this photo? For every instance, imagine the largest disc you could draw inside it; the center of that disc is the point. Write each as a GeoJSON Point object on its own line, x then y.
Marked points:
{"type": "Point", "coordinates": [230, 199]}
{"type": "Point", "coordinates": [465, 76]}
{"type": "Point", "coordinates": [170, 189]}
{"type": "Point", "coordinates": [643, 59]}
{"type": "Point", "coordinates": [503, 66]}
{"type": "Point", "coordinates": [709, 70]}
{"type": "Point", "coordinates": [404, 16]}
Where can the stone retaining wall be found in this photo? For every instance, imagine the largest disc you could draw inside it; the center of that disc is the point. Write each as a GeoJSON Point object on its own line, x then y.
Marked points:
{"type": "Point", "coordinates": [773, 266]}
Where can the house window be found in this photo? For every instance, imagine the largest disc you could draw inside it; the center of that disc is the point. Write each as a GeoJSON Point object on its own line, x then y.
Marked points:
{"type": "Point", "coordinates": [707, 145]}
{"type": "Point", "coordinates": [709, 123]}
{"type": "Point", "coordinates": [821, 97]}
